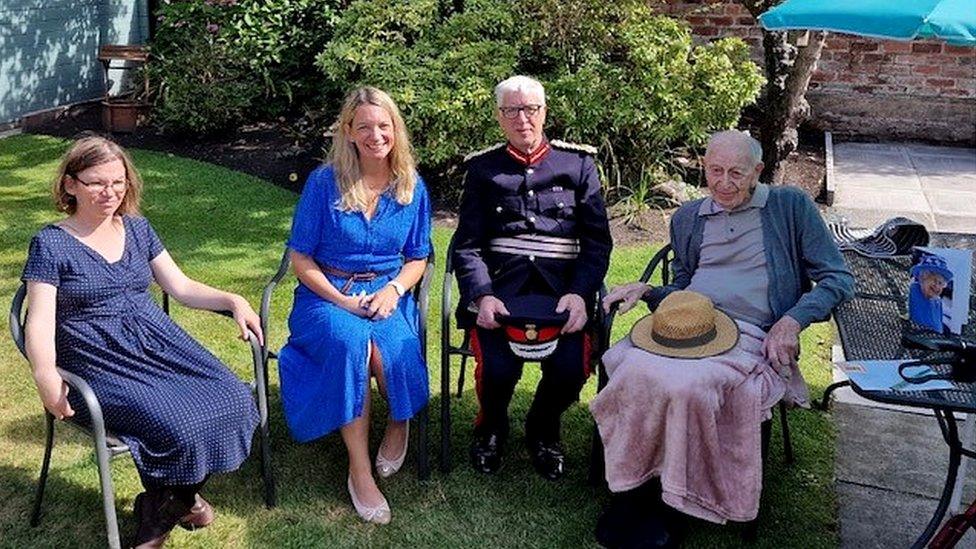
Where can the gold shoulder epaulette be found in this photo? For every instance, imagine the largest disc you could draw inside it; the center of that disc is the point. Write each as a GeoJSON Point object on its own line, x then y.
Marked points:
{"type": "Point", "coordinates": [483, 151]}
{"type": "Point", "coordinates": [588, 149]}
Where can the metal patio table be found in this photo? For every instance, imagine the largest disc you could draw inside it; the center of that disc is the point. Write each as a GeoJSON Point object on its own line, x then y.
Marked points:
{"type": "Point", "coordinates": [871, 326]}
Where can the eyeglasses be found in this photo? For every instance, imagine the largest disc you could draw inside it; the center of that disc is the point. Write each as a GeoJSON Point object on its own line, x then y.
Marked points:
{"type": "Point", "coordinates": [735, 175]}
{"type": "Point", "coordinates": [118, 185]}
{"type": "Point", "coordinates": [512, 112]}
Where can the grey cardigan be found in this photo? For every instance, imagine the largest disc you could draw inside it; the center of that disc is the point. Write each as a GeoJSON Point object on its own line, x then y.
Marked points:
{"type": "Point", "coordinates": [799, 252]}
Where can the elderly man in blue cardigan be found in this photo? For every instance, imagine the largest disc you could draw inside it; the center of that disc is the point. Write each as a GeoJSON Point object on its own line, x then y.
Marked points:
{"type": "Point", "coordinates": [763, 256]}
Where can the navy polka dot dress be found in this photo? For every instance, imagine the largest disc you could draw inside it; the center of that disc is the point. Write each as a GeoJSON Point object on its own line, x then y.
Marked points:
{"type": "Point", "coordinates": [183, 413]}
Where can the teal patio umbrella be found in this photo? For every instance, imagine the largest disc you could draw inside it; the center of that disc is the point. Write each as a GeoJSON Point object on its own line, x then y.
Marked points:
{"type": "Point", "coordinates": [951, 20]}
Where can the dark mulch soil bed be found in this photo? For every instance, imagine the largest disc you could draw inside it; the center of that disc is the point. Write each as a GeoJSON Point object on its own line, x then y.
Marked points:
{"type": "Point", "coordinates": [276, 154]}
{"type": "Point", "coordinates": [267, 150]}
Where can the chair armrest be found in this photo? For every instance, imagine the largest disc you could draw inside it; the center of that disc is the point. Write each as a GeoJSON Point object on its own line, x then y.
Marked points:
{"type": "Point", "coordinates": [607, 325]}
{"type": "Point", "coordinates": [81, 387]}
{"type": "Point", "coordinates": [600, 316]}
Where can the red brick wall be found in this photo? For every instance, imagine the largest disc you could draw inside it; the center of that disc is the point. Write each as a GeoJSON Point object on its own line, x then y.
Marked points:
{"type": "Point", "coordinates": [922, 69]}
{"type": "Point", "coordinates": [867, 87]}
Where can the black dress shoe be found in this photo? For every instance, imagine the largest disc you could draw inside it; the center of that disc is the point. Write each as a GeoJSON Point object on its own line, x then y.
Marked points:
{"type": "Point", "coordinates": [547, 459]}
{"type": "Point", "coordinates": [486, 453]}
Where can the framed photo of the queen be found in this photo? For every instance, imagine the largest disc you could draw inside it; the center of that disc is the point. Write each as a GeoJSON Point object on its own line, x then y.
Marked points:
{"type": "Point", "coordinates": [938, 289]}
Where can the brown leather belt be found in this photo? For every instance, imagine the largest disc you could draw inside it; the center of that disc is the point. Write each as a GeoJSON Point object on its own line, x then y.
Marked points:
{"type": "Point", "coordinates": [352, 278]}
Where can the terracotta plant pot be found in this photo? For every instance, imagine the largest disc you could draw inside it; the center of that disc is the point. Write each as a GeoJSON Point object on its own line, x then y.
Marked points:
{"type": "Point", "coordinates": [121, 116]}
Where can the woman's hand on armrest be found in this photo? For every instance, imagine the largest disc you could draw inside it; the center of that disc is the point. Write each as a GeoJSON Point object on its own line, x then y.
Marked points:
{"type": "Point", "coordinates": [246, 318]}
{"type": "Point", "coordinates": [54, 393]}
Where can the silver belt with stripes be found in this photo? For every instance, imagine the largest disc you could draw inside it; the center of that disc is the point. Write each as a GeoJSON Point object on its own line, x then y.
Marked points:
{"type": "Point", "coordinates": [535, 245]}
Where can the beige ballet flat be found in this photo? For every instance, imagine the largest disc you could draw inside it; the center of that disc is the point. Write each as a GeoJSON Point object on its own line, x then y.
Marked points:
{"type": "Point", "coordinates": [386, 467]}
{"type": "Point", "coordinates": [377, 515]}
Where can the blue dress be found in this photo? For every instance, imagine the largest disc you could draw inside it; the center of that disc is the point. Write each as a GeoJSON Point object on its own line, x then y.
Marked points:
{"type": "Point", "coordinates": [924, 311]}
{"type": "Point", "coordinates": [323, 366]}
{"type": "Point", "coordinates": [183, 414]}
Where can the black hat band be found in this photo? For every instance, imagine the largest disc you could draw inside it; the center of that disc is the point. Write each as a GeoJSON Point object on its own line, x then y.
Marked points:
{"type": "Point", "coordinates": [672, 343]}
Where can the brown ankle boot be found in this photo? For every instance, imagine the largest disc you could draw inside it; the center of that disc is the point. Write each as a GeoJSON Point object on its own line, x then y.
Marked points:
{"type": "Point", "coordinates": [157, 512]}
{"type": "Point", "coordinates": [200, 515]}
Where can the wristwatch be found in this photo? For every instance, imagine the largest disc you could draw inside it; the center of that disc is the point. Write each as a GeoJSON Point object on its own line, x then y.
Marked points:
{"type": "Point", "coordinates": [400, 289]}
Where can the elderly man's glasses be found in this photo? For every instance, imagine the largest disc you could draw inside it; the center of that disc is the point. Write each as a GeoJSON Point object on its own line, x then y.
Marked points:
{"type": "Point", "coordinates": [512, 112]}
{"type": "Point", "coordinates": [735, 175]}
{"type": "Point", "coordinates": [118, 185]}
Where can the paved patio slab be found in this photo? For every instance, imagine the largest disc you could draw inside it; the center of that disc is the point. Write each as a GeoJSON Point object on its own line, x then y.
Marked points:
{"type": "Point", "coordinates": [891, 461]}
{"type": "Point", "coordinates": [872, 518]}
{"type": "Point", "coordinates": [894, 451]}
{"type": "Point", "coordinates": [935, 186]}
{"type": "Point", "coordinates": [889, 471]}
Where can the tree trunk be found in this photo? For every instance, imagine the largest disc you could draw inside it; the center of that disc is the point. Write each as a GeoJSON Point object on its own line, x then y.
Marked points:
{"type": "Point", "coordinates": [788, 71]}
{"type": "Point", "coordinates": [784, 105]}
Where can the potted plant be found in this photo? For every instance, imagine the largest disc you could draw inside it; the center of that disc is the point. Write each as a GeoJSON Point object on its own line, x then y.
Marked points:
{"type": "Point", "coordinates": [122, 114]}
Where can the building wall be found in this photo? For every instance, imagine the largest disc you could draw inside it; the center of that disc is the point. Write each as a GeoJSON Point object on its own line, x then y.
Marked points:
{"type": "Point", "coordinates": [865, 87]}
{"type": "Point", "coordinates": [49, 48]}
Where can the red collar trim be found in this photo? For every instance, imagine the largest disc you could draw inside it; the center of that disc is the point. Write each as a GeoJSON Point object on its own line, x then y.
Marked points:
{"type": "Point", "coordinates": [528, 159]}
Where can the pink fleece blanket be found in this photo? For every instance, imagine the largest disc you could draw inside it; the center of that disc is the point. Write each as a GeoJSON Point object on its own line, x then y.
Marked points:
{"type": "Point", "coordinates": [695, 423]}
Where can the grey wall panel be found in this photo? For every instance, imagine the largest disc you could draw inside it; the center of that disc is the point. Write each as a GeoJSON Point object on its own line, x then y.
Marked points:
{"type": "Point", "coordinates": [49, 48]}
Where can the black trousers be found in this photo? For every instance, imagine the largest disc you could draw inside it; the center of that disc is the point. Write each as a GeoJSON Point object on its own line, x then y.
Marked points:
{"type": "Point", "coordinates": [498, 370]}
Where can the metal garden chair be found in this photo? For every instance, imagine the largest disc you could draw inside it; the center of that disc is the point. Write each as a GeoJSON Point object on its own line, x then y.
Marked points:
{"type": "Point", "coordinates": [662, 261]}
{"type": "Point", "coordinates": [420, 292]}
{"type": "Point", "coordinates": [106, 444]}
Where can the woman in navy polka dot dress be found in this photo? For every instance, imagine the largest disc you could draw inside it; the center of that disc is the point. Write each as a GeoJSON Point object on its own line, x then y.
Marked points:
{"type": "Point", "coordinates": [183, 414]}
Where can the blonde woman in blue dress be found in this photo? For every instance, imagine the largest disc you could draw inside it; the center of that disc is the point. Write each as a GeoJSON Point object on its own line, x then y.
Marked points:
{"type": "Point", "coordinates": [359, 241]}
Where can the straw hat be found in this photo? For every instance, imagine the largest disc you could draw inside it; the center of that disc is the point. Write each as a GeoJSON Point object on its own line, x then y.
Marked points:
{"type": "Point", "coordinates": [685, 325]}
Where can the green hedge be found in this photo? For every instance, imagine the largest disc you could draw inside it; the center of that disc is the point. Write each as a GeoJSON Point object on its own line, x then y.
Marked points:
{"type": "Point", "coordinates": [618, 75]}
{"type": "Point", "coordinates": [220, 63]}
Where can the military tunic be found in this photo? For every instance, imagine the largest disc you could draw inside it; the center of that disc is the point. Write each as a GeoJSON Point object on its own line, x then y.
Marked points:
{"type": "Point", "coordinates": [556, 194]}
{"type": "Point", "coordinates": [530, 224]}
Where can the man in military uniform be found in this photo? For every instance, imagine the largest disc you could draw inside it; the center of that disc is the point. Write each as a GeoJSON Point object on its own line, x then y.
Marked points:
{"type": "Point", "coordinates": [532, 222]}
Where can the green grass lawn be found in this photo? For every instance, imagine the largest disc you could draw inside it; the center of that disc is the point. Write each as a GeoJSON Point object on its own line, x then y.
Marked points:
{"type": "Point", "coordinates": [227, 229]}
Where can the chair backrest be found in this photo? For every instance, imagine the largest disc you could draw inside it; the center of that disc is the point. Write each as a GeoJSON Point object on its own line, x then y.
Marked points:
{"type": "Point", "coordinates": [269, 288]}
{"type": "Point", "coordinates": [662, 258]}
{"type": "Point", "coordinates": [448, 263]}
{"type": "Point", "coordinates": [18, 316]}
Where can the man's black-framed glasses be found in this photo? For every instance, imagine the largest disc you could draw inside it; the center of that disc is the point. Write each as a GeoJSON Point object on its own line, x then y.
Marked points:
{"type": "Point", "coordinates": [118, 185]}
{"type": "Point", "coordinates": [512, 112]}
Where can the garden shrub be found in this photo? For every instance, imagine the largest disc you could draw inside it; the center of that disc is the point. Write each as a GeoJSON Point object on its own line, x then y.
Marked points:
{"type": "Point", "coordinates": [633, 82]}
{"type": "Point", "coordinates": [217, 63]}
{"type": "Point", "coordinates": [438, 65]}
{"type": "Point", "coordinates": [202, 89]}
{"type": "Point", "coordinates": [618, 76]}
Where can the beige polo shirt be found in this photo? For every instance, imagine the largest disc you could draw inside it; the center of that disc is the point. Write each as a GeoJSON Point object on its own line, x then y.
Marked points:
{"type": "Point", "coordinates": [732, 268]}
